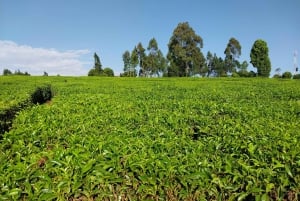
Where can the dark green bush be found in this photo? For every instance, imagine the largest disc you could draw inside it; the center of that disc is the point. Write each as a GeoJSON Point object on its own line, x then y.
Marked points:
{"type": "Point", "coordinates": [108, 72]}
{"type": "Point", "coordinates": [234, 74]}
{"type": "Point", "coordinates": [277, 76]}
{"type": "Point", "coordinates": [297, 76]}
{"type": "Point", "coordinates": [287, 75]}
{"type": "Point", "coordinates": [42, 94]}
{"type": "Point", "coordinates": [252, 74]}
{"type": "Point", "coordinates": [243, 73]}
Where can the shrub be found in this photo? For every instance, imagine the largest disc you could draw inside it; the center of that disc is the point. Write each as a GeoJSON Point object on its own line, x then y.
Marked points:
{"type": "Point", "coordinates": [223, 74]}
{"type": "Point", "coordinates": [287, 75]}
{"type": "Point", "coordinates": [252, 74]}
{"type": "Point", "coordinates": [93, 72]}
{"type": "Point", "coordinates": [42, 94]}
{"type": "Point", "coordinates": [234, 74]}
{"type": "Point", "coordinates": [297, 76]}
{"type": "Point", "coordinates": [277, 76]}
{"type": "Point", "coordinates": [108, 72]}
{"type": "Point", "coordinates": [7, 72]}
{"type": "Point", "coordinates": [243, 73]}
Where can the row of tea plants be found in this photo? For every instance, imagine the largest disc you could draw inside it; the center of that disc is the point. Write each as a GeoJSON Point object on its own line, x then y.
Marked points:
{"type": "Point", "coordinates": [16, 94]}
{"type": "Point", "coordinates": [156, 139]}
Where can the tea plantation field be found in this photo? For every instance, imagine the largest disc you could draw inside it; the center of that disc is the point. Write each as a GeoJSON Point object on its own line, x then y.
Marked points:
{"type": "Point", "coordinates": [152, 139]}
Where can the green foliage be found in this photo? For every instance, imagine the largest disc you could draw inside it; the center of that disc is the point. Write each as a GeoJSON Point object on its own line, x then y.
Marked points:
{"type": "Point", "coordinates": [21, 100]}
{"type": "Point", "coordinates": [232, 53]}
{"type": "Point", "coordinates": [150, 64]}
{"type": "Point", "coordinates": [93, 72]}
{"type": "Point", "coordinates": [209, 63]}
{"type": "Point", "coordinates": [277, 76]}
{"type": "Point", "coordinates": [260, 58]}
{"type": "Point", "coordinates": [7, 72]}
{"type": "Point", "coordinates": [243, 66]}
{"type": "Point", "coordinates": [130, 63]}
{"type": "Point", "coordinates": [252, 74]}
{"type": "Point", "coordinates": [128, 74]}
{"type": "Point", "coordinates": [141, 55]}
{"type": "Point", "coordinates": [134, 60]}
{"type": "Point", "coordinates": [243, 70]}
{"type": "Point", "coordinates": [215, 66]}
{"type": "Point", "coordinates": [235, 74]}
{"type": "Point", "coordinates": [242, 73]}
{"type": "Point", "coordinates": [155, 139]}
{"type": "Point", "coordinates": [185, 51]}
{"type": "Point", "coordinates": [219, 66]}
{"type": "Point", "coordinates": [98, 65]}
{"type": "Point", "coordinates": [297, 76]}
{"type": "Point", "coordinates": [16, 89]}
{"type": "Point", "coordinates": [127, 61]}
{"type": "Point", "coordinates": [154, 62]}
{"type": "Point", "coordinates": [108, 72]}
{"type": "Point", "coordinates": [17, 72]}
{"type": "Point", "coordinates": [287, 75]}
{"type": "Point", "coordinates": [97, 69]}
{"type": "Point", "coordinates": [42, 94]}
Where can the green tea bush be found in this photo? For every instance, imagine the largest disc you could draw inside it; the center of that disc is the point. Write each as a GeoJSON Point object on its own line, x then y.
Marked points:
{"type": "Point", "coordinates": [42, 94]}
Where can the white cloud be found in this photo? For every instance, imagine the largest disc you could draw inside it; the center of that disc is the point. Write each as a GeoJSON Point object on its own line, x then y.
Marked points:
{"type": "Point", "coordinates": [37, 60]}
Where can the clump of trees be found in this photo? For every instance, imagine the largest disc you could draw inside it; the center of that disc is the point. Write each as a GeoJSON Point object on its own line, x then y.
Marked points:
{"type": "Point", "coordinates": [130, 60]}
{"type": "Point", "coordinates": [97, 69]}
{"type": "Point", "coordinates": [285, 75]}
{"type": "Point", "coordinates": [151, 61]}
{"type": "Point", "coordinates": [7, 72]}
{"type": "Point", "coordinates": [185, 58]}
{"type": "Point", "coordinates": [296, 76]}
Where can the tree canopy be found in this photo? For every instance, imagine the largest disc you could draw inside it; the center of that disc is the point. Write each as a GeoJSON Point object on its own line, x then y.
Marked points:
{"type": "Point", "coordinates": [134, 61]}
{"type": "Point", "coordinates": [141, 55]}
{"type": "Point", "coordinates": [232, 52]}
{"type": "Point", "coordinates": [108, 72]}
{"type": "Point", "coordinates": [130, 62]}
{"type": "Point", "coordinates": [98, 65]}
{"type": "Point", "coordinates": [155, 62]}
{"type": "Point", "coordinates": [260, 58]}
{"type": "Point", "coordinates": [185, 51]}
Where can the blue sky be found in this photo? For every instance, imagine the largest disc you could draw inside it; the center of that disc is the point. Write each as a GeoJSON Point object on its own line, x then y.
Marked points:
{"type": "Point", "coordinates": [60, 37]}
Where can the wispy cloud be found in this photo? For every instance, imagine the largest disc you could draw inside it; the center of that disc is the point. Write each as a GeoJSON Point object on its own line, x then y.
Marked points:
{"type": "Point", "coordinates": [37, 60]}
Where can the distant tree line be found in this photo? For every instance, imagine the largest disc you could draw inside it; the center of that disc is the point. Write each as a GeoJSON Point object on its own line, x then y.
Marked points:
{"type": "Point", "coordinates": [286, 74]}
{"type": "Point", "coordinates": [185, 58]}
{"type": "Point", "coordinates": [7, 72]}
